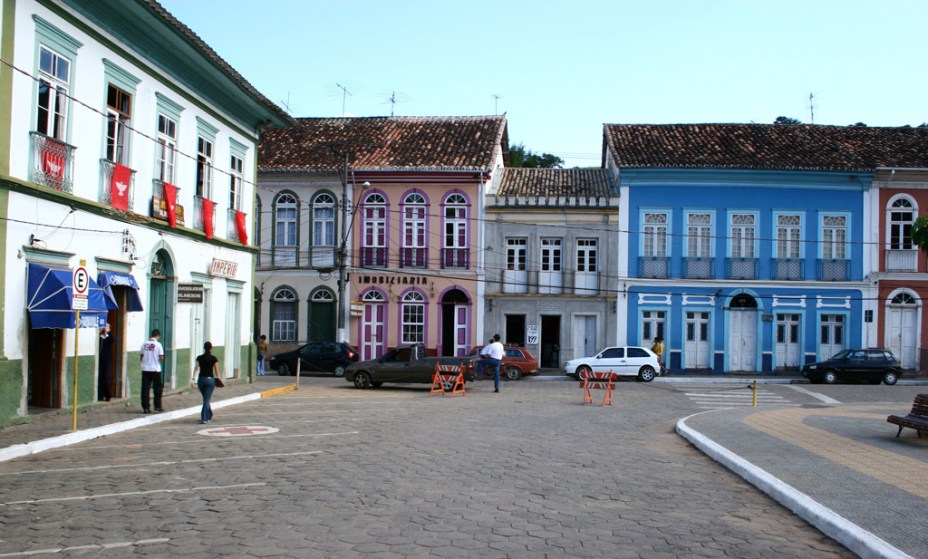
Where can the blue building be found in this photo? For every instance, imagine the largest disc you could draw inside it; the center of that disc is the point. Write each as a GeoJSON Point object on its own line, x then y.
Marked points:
{"type": "Point", "coordinates": [742, 245]}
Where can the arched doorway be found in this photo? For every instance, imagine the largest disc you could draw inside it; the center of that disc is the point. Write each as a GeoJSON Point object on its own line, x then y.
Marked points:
{"type": "Point", "coordinates": [742, 333]}
{"type": "Point", "coordinates": [321, 316]}
{"type": "Point", "coordinates": [454, 318]}
{"type": "Point", "coordinates": [901, 329]}
{"type": "Point", "coordinates": [161, 308]}
{"type": "Point", "coordinates": [373, 323]}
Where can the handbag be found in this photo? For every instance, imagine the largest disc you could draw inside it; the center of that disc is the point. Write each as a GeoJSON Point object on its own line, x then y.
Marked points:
{"type": "Point", "coordinates": [219, 383]}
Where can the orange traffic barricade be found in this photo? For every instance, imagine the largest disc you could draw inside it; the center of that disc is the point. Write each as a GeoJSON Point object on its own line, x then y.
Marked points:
{"type": "Point", "coordinates": [448, 374]}
{"type": "Point", "coordinates": [600, 381]}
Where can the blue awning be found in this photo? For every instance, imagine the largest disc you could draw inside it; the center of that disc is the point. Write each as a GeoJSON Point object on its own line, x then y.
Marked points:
{"type": "Point", "coordinates": [108, 279]}
{"type": "Point", "coordinates": [48, 300]}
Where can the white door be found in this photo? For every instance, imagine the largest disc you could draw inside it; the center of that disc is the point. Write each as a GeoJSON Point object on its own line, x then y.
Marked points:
{"type": "Point", "coordinates": [585, 343]}
{"type": "Point", "coordinates": [787, 344]}
{"type": "Point", "coordinates": [233, 337]}
{"type": "Point", "coordinates": [742, 340]}
{"type": "Point", "coordinates": [460, 330]}
{"type": "Point", "coordinates": [373, 336]}
{"type": "Point", "coordinates": [831, 335]}
{"type": "Point", "coordinates": [901, 331]}
{"type": "Point", "coordinates": [653, 324]}
{"type": "Point", "coordinates": [697, 340]}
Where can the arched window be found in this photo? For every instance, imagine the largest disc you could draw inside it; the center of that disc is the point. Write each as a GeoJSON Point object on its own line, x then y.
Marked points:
{"type": "Point", "coordinates": [413, 252]}
{"type": "Point", "coordinates": [374, 240]}
{"type": "Point", "coordinates": [324, 220]}
{"type": "Point", "coordinates": [283, 315]}
{"type": "Point", "coordinates": [413, 318]}
{"type": "Point", "coordinates": [454, 250]}
{"type": "Point", "coordinates": [904, 299]}
{"type": "Point", "coordinates": [902, 213]}
{"type": "Point", "coordinates": [286, 223]}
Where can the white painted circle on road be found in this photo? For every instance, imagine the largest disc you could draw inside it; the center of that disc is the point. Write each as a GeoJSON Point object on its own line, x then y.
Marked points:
{"type": "Point", "coordinates": [238, 431]}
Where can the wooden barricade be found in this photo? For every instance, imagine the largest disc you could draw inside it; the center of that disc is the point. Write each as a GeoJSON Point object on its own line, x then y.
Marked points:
{"type": "Point", "coordinates": [453, 374]}
{"type": "Point", "coordinates": [599, 381]}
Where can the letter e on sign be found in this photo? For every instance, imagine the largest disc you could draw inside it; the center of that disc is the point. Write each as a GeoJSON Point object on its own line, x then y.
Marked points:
{"type": "Point", "coordinates": [80, 283]}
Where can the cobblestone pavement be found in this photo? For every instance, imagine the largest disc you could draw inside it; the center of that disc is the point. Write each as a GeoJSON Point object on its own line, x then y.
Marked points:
{"type": "Point", "coordinates": [392, 472]}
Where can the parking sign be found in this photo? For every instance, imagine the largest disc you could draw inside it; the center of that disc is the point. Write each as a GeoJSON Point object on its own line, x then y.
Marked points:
{"type": "Point", "coordinates": [80, 285]}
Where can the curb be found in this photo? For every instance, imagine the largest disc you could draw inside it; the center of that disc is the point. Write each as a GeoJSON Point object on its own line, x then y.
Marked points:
{"type": "Point", "coordinates": [862, 542]}
{"type": "Point", "coordinates": [35, 447]}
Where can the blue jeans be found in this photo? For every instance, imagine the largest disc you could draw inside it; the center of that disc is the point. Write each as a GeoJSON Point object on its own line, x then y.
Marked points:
{"type": "Point", "coordinates": [481, 363]}
{"type": "Point", "coordinates": [260, 365]}
{"type": "Point", "coordinates": [206, 386]}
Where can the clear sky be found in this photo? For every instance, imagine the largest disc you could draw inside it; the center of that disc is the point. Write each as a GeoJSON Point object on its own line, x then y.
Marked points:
{"type": "Point", "coordinates": [561, 69]}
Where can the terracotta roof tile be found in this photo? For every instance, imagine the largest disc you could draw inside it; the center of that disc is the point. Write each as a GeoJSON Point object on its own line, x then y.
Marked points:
{"type": "Point", "coordinates": [384, 143]}
{"type": "Point", "coordinates": [550, 183]}
{"type": "Point", "coordinates": [766, 146]}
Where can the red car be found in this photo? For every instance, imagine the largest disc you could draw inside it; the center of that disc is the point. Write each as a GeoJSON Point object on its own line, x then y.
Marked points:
{"type": "Point", "coordinates": [517, 361]}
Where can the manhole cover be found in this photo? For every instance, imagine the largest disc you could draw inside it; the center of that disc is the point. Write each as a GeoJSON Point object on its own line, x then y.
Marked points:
{"type": "Point", "coordinates": [238, 431]}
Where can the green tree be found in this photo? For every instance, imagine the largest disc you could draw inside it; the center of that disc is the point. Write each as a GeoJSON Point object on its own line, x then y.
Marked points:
{"type": "Point", "coordinates": [786, 120]}
{"type": "Point", "coordinates": [519, 156]}
{"type": "Point", "coordinates": [920, 233]}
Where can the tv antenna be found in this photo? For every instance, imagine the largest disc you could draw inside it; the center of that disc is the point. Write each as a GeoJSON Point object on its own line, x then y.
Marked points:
{"type": "Point", "coordinates": [811, 108]}
{"type": "Point", "coordinates": [496, 98]}
{"type": "Point", "coordinates": [394, 97]}
{"type": "Point", "coordinates": [345, 93]}
{"type": "Point", "coordinates": [286, 104]}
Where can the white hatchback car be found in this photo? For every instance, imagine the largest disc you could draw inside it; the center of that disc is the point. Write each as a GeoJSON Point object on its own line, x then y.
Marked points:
{"type": "Point", "coordinates": [628, 361]}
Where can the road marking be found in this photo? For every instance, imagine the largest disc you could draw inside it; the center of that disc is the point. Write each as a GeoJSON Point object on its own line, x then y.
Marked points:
{"type": "Point", "coordinates": [160, 463]}
{"type": "Point", "coordinates": [238, 431]}
{"type": "Point", "coordinates": [198, 441]}
{"type": "Point", "coordinates": [130, 494]}
{"type": "Point", "coordinates": [817, 395]}
{"type": "Point", "coordinates": [112, 545]}
{"type": "Point", "coordinates": [731, 399]}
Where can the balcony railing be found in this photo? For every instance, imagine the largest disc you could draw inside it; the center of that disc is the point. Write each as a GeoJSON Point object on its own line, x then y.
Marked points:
{"type": "Point", "coordinates": [323, 257]}
{"type": "Point", "coordinates": [742, 268]}
{"type": "Point", "coordinates": [698, 267]}
{"type": "Point", "coordinates": [834, 270]}
{"type": "Point", "coordinates": [902, 260]}
{"type": "Point", "coordinates": [54, 163]}
{"type": "Point", "coordinates": [458, 258]}
{"type": "Point", "coordinates": [414, 258]}
{"type": "Point", "coordinates": [515, 281]}
{"type": "Point", "coordinates": [374, 257]}
{"type": "Point", "coordinates": [107, 167]}
{"type": "Point", "coordinates": [198, 221]}
{"type": "Point", "coordinates": [232, 226]}
{"type": "Point", "coordinates": [159, 207]}
{"type": "Point", "coordinates": [787, 268]}
{"type": "Point", "coordinates": [654, 267]}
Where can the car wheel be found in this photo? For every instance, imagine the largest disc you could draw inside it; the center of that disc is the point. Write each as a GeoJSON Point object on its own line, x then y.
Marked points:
{"type": "Point", "coordinates": [362, 380]}
{"type": "Point", "coordinates": [513, 373]}
{"type": "Point", "coordinates": [283, 369]}
{"type": "Point", "coordinates": [646, 374]}
{"type": "Point", "coordinates": [340, 371]}
{"type": "Point", "coordinates": [829, 377]}
{"type": "Point", "coordinates": [583, 369]}
{"type": "Point", "coordinates": [890, 378]}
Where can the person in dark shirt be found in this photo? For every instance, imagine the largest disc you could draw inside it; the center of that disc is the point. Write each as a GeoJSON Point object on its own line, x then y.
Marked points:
{"type": "Point", "coordinates": [204, 377]}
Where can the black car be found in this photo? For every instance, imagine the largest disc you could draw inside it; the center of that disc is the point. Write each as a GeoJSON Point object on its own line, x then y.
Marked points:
{"type": "Point", "coordinates": [871, 365]}
{"type": "Point", "coordinates": [316, 357]}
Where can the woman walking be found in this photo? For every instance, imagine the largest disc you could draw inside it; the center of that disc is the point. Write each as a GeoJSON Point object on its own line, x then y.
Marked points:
{"type": "Point", "coordinates": [204, 377]}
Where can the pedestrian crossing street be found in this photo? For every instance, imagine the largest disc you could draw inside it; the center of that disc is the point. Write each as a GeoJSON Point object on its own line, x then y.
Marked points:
{"type": "Point", "coordinates": [713, 398]}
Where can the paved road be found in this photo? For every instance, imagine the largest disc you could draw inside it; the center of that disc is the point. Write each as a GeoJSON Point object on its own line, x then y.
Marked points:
{"type": "Point", "coordinates": [392, 472]}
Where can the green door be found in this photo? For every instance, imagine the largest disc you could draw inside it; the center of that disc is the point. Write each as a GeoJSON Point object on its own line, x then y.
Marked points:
{"type": "Point", "coordinates": [161, 308]}
{"type": "Point", "coordinates": [321, 316]}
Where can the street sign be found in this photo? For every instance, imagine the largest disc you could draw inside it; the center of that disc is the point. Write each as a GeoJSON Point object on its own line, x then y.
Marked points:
{"type": "Point", "coordinates": [532, 334]}
{"type": "Point", "coordinates": [80, 284]}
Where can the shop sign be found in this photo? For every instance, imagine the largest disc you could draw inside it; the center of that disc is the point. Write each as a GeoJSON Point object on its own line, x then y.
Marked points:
{"type": "Point", "coordinates": [394, 279]}
{"type": "Point", "coordinates": [189, 292]}
{"type": "Point", "coordinates": [223, 268]}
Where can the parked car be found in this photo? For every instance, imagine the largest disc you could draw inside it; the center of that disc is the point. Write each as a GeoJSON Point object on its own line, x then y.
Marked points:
{"type": "Point", "coordinates": [872, 365]}
{"type": "Point", "coordinates": [517, 361]}
{"type": "Point", "coordinates": [629, 361]}
{"type": "Point", "coordinates": [403, 364]}
{"type": "Point", "coordinates": [316, 357]}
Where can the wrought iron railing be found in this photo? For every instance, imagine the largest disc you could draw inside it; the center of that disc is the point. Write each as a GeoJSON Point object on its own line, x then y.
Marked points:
{"type": "Point", "coordinates": [54, 163]}
{"type": "Point", "coordinates": [458, 258]}
{"type": "Point", "coordinates": [654, 267]}
{"type": "Point", "coordinates": [373, 257]}
{"type": "Point", "coordinates": [414, 257]}
{"type": "Point", "coordinates": [834, 270]}
{"type": "Point", "coordinates": [742, 268]}
{"type": "Point", "coordinates": [106, 187]}
{"type": "Point", "coordinates": [198, 221]}
{"type": "Point", "coordinates": [698, 267]}
{"type": "Point", "coordinates": [786, 268]}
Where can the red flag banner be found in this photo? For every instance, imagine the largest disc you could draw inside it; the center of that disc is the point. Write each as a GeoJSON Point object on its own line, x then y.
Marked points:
{"type": "Point", "coordinates": [53, 164]}
{"type": "Point", "coordinates": [240, 225]}
{"type": "Point", "coordinates": [208, 217]}
{"type": "Point", "coordinates": [170, 200]}
{"type": "Point", "coordinates": [119, 187]}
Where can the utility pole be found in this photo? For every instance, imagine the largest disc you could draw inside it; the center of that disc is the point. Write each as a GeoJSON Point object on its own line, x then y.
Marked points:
{"type": "Point", "coordinates": [342, 332]}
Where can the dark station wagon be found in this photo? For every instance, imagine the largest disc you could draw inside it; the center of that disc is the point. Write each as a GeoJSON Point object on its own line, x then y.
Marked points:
{"type": "Point", "coordinates": [315, 357]}
{"type": "Point", "coordinates": [871, 365]}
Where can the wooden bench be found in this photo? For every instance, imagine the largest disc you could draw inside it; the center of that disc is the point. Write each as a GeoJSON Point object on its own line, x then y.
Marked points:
{"type": "Point", "coordinates": [917, 418]}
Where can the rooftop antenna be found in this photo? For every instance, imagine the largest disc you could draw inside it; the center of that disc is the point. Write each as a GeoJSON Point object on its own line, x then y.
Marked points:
{"type": "Point", "coordinates": [811, 108]}
{"type": "Point", "coordinates": [286, 104]}
{"type": "Point", "coordinates": [394, 97]}
{"type": "Point", "coordinates": [496, 98]}
{"type": "Point", "coordinates": [345, 93]}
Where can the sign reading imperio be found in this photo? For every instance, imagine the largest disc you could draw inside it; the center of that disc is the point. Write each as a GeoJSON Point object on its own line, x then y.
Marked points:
{"type": "Point", "coordinates": [394, 280]}
{"type": "Point", "coordinates": [223, 268]}
{"type": "Point", "coordinates": [189, 292]}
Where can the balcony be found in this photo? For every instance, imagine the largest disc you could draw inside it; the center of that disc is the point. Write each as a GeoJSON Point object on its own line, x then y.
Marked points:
{"type": "Point", "coordinates": [232, 227]}
{"type": "Point", "coordinates": [834, 270]}
{"type": "Point", "coordinates": [515, 281]}
{"type": "Point", "coordinates": [54, 163]}
{"type": "Point", "coordinates": [117, 193]}
{"type": "Point", "coordinates": [323, 257]}
{"type": "Point", "coordinates": [742, 268]}
{"type": "Point", "coordinates": [698, 268]}
{"type": "Point", "coordinates": [414, 258]}
{"type": "Point", "coordinates": [320, 258]}
{"type": "Point", "coordinates": [586, 284]}
{"type": "Point", "coordinates": [199, 217]}
{"type": "Point", "coordinates": [457, 258]}
{"type": "Point", "coordinates": [373, 257]}
{"type": "Point", "coordinates": [654, 267]}
{"type": "Point", "coordinates": [902, 260]}
{"type": "Point", "coordinates": [786, 269]}
{"type": "Point", "coordinates": [159, 207]}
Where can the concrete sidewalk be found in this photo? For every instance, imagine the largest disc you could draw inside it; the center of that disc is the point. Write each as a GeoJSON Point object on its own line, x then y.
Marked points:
{"type": "Point", "coordinates": [838, 467]}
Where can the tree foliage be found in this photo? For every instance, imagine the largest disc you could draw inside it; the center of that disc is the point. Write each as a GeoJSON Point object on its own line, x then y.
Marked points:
{"type": "Point", "coordinates": [920, 233]}
{"type": "Point", "coordinates": [786, 120]}
{"type": "Point", "coordinates": [519, 156]}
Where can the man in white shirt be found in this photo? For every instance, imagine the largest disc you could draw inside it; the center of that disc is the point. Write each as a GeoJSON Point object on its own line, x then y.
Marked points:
{"type": "Point", "coordinates": [152, 356]}
{"type": "Point", "coordinates": [495, 353]}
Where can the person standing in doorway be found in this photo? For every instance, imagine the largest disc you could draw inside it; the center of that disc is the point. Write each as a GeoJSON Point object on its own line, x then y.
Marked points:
{"type": "Point", "coordinates": [658, 349]}
{"type": "Point", "coordinates": [262, 354]}
{"type": "Point", "coordinates": [152, 357]}
{"type": "Point", "coordinates": [204, 377]}
{"type": "Point", "coordinates": [105, 372]}
{"type": "Point", "coordinates": [495, 355]}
